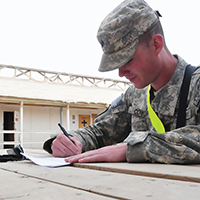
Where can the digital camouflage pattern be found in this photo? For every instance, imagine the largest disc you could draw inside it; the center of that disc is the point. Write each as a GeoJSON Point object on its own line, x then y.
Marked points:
{"type": "Point", "coordinates": [120, 31]}
{"type": "Point", "coordinates": [127, 120]}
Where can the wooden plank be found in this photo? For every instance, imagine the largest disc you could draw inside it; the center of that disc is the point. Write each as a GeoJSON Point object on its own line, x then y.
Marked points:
{"type": "Point", "coordinates": [190, 173]}
{"type": "Point", "coordinates": [110, 184]}
{"type": "Point", "coordinates": [16, 186]}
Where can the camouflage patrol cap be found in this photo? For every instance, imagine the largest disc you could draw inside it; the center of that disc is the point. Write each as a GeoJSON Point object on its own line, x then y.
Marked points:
{"type": "Point", "coordinates": [119, 32]}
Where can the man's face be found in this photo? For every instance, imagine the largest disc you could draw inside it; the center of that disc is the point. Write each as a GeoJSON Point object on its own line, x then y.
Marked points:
{"type": "Point", "coordinates": [142, 69]}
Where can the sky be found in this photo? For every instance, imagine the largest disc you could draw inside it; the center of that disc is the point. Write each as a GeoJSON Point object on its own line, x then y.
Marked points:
{"type": "Point", "coordinates": [60, 35]}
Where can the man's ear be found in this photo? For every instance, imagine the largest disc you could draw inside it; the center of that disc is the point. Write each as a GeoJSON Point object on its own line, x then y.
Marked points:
{"type": "Point", "coordinates": [157, 43]}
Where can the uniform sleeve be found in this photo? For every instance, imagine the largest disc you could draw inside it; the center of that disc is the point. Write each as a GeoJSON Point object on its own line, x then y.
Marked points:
{"type": "Point", "coordinates": [110, 127]}
{"type": "Point", "coordinates": [180, 146]}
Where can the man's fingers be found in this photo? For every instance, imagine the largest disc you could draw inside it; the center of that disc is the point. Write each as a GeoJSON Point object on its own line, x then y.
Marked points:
{"type": "Point", "coordinates": [114, 153]}
{"type": "Point", "coordinates": [73, 159]}
{"type": "Point", "coordinates": [77, 143]}
{"type": "Point", "coordinates": [93, 158]}
{"type": "Point", "coordinates": [63, 147]}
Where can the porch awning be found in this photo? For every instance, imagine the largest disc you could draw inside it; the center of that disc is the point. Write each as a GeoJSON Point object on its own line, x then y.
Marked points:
{"type": "Point", "coordinates": [45, 93]}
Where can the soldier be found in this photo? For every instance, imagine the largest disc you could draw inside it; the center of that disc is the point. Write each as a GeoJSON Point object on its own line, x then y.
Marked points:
{"type": "Point", "coordinates": [140, 125]}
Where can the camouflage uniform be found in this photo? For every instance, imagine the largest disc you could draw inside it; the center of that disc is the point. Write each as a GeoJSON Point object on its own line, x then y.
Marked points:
{"type": "Point", "coordinates": [126, 120]}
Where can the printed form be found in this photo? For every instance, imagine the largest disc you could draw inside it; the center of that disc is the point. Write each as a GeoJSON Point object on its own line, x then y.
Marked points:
{"type": "Point", "coordinates": [47, 161]}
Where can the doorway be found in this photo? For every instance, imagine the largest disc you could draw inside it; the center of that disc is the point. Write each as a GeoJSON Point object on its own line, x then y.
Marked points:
{"type": "Point", "coordinates": [8, 125]}
{"type": "Point", "coordinates": [84, 120]}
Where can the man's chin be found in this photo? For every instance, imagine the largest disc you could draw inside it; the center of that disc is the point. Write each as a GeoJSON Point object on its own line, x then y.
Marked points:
{"type": "Point", "coordinates": [139, 86]}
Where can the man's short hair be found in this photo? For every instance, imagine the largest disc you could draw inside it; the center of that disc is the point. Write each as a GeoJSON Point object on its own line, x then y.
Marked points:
{"type": "Point", "coordinates": [146, 38]}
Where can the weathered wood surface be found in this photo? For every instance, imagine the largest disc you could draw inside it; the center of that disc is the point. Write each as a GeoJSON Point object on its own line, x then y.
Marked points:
{"type": "Point", "coordinates": [190, 173]}
{"type": "Point", "coordinates": [26, 180]}
{"type": "Point", "coordinates": [17, 186]}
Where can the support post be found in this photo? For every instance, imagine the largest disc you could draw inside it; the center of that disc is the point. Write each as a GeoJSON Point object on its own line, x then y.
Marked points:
{"type": "Point", "coordinates": [68, 118]}
{"type": "Point", "coordinates": [61, 115]}
{"type": "Point", "coordinates": [21, 123]}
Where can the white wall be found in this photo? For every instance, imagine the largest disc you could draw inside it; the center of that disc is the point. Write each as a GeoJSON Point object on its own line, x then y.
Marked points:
{"type": "Point", "coordinates": [40, 123]}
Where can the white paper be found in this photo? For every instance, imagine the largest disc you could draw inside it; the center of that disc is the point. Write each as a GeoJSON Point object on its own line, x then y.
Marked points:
{"type": "Point", "coordinates": [47, 161]}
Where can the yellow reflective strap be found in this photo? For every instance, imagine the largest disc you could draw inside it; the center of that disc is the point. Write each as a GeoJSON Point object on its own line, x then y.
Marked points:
{"type": "Point", "coordinates": [155, 121]}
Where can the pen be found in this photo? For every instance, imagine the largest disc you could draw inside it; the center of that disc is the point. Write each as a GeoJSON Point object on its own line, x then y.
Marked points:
{"type": "Point", "coordinates": [64, 131]}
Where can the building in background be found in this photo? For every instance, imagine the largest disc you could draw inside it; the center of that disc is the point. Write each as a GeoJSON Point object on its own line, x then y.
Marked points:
{"type": "Point", "coordinates": [33, 102]}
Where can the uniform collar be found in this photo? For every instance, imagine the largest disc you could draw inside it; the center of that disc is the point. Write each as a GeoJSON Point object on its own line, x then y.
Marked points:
{"type": "Point", "coordinates": [166, 98]}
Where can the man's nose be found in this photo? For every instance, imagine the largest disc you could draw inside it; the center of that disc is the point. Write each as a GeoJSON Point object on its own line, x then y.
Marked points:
{"type": "Point", "coordinates": [122, 71]}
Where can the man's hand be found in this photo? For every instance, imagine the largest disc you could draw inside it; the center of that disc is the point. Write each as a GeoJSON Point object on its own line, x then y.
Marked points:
{"type": "Point", "coordinates": [114, 153]}
{"type": "Point", "coordinates": [63, 147]}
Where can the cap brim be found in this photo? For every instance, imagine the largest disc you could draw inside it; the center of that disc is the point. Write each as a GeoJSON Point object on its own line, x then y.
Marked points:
{"type": "Point", "coordinates": [116, 60]}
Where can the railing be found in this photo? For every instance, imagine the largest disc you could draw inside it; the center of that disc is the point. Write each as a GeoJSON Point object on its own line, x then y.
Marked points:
{"type": "Point", "coordinates": [61, 77]}
{"type": "Point", "coordinates": [15, 141]}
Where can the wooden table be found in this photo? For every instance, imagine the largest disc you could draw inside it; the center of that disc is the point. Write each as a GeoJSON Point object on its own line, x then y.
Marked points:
{"type": "Point", "coordinates": [25, 180]}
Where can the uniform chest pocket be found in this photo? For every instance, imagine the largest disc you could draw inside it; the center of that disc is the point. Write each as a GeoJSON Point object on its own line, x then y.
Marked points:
{"type": "Point", "coordinates": [139, 119]}
{"type": "Point", "coordinates": [138, 112]}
